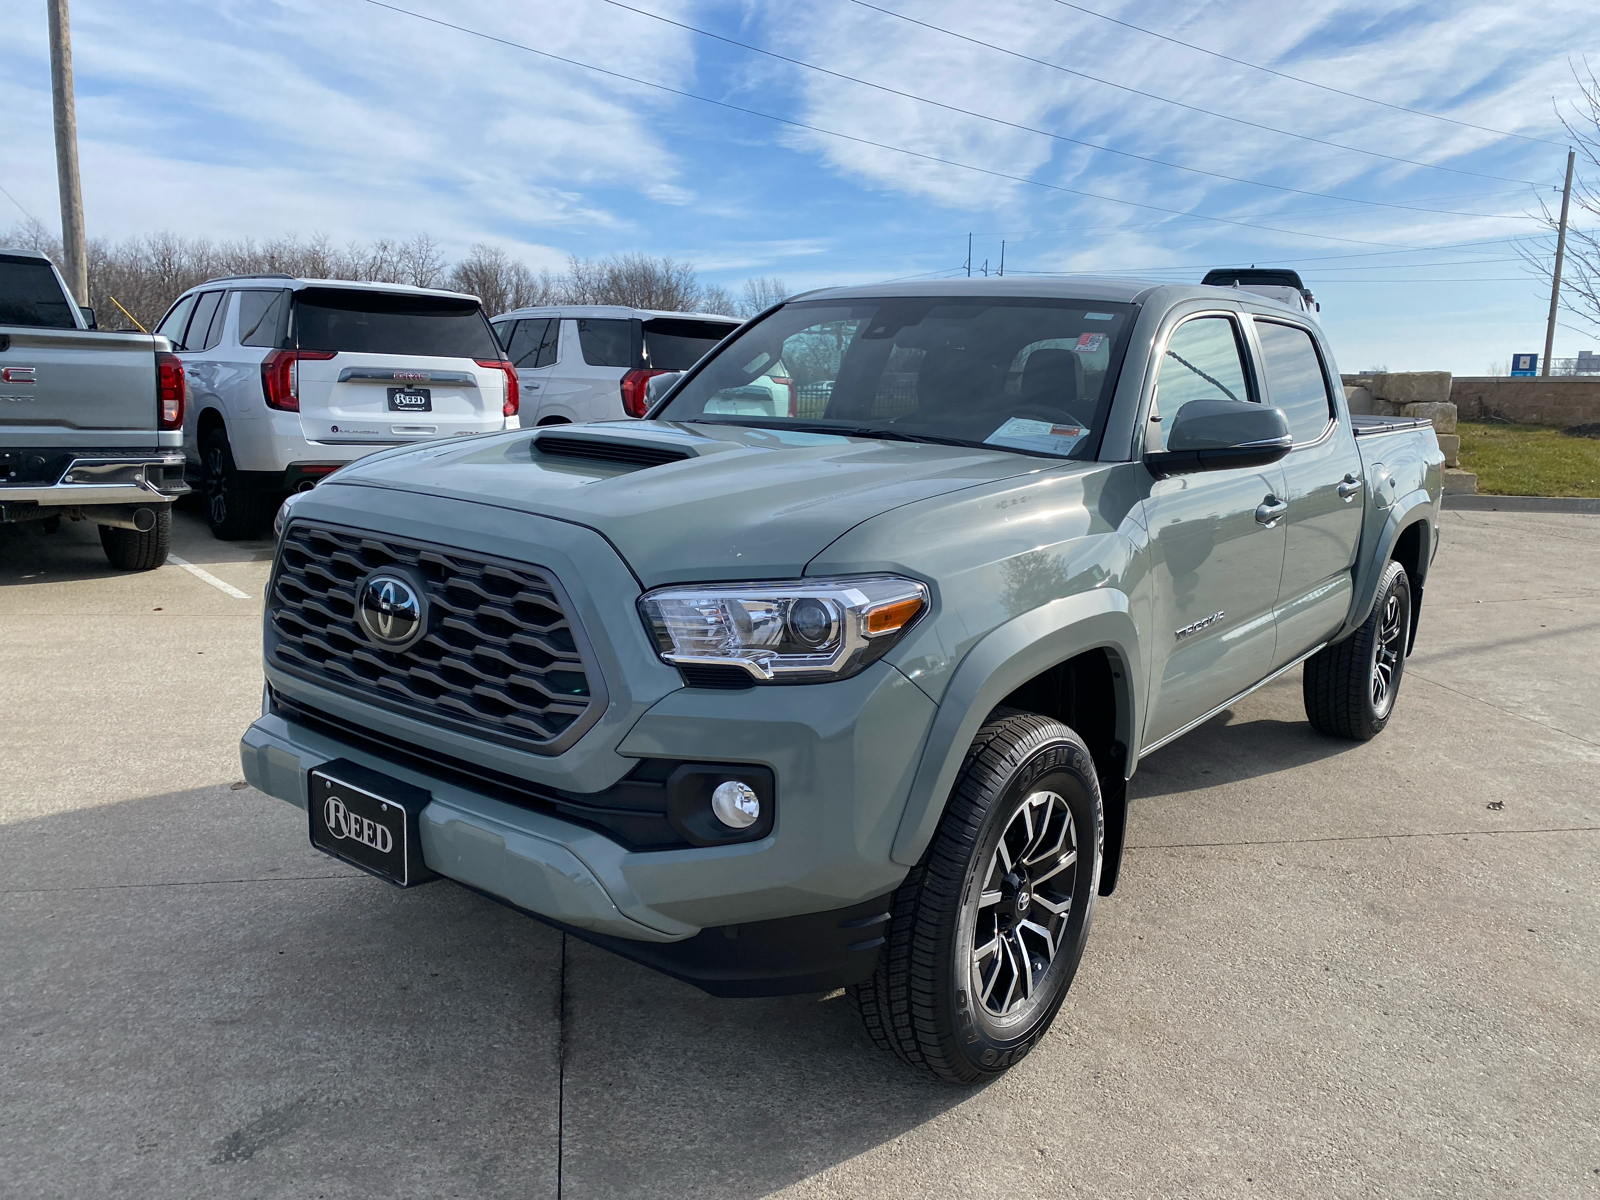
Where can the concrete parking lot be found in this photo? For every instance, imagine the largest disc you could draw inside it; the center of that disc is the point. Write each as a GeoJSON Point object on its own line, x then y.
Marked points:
{"type": "Point", "coordinates": [1330, 970]}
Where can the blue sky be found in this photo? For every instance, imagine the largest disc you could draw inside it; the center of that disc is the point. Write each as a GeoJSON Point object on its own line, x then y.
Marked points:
{"type": "Point", "coordinates": [257, 119]}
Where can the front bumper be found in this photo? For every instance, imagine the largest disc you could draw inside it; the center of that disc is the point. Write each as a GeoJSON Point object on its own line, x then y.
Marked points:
{"type": "Point", "coordinates": [843, 755]}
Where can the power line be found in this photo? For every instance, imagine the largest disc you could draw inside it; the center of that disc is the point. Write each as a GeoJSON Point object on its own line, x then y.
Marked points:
{"type": "Point", "coordinates": [1060, 137]}
{"type": "Point", "coordinates": [933, 158]}
{"type": "Point", "coordinates": [1298, 79]}
{"type": "Point", "coordinates": [1180, 104]}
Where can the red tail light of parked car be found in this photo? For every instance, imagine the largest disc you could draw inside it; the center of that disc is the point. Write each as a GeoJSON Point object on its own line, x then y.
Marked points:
{"type": "Point", "coordinates": [170, 389]}
{"type": "Point", "coordinates": [280, 380]}
{"type": "Point", "coordinates": [513, 404]}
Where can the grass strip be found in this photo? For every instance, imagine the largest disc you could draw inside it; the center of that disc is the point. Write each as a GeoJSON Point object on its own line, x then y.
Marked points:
{"type": "Point", "coordinates": [1529, 460]}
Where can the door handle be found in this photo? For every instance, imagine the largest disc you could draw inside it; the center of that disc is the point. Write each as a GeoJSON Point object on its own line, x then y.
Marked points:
{"type": "Point", "coordinates": [1350, 486]}
{"type": "Point", "coordinates": [1270, 509]}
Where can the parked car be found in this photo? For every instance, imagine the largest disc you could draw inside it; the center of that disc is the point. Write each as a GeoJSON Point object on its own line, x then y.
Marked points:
{"type": "Point", "coordinates": [90, 421]}
{"type": "Point", "coordinates": [594, 362]}
{"type": "Point", "coordinates": [292, 378]}
{"type": "Point", "coordinates": [783, 704]}
{"type": "Point", "coordinates": [1275, 283]}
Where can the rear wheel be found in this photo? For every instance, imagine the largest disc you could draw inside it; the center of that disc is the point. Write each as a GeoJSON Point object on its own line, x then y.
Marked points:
{"type": "Point", "coordinates": [131, 550]}
{"type": "Point", "coordinates": [988, 929]}
{"type": "Point", "coordinates": [1350, 687]}
{"type": "Point", "coordinates": [234, 509]}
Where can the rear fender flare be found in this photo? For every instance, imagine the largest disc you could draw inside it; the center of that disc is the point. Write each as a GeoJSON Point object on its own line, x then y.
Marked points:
{"type": "Point", "coordinates": [1005, 659]}
{"type": "Point", "coordinates": [1407, 511]}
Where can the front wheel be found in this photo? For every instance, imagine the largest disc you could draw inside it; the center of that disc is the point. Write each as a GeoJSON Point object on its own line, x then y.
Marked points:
{"type": "Point", "coordinates": [988, 928]}
{"type": "Point", "coordinates": [1350, 687]}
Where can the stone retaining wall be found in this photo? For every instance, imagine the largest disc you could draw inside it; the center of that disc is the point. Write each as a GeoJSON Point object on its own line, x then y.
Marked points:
{"type": "Point", "coordinates": [1559, 401]}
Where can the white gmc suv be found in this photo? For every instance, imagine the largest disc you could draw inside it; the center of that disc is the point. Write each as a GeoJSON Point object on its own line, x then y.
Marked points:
{"type": "Point", "coordinates": [289, 379]}
{"type": "Point", "coordinates": [594, 362]}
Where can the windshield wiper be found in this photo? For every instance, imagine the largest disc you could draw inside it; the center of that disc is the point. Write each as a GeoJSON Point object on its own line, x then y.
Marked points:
{"type": "Point", "coordinates": [861, 431]}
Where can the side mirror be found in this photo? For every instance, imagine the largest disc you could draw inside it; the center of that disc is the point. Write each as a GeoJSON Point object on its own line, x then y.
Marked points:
{"type": "Point", "coordinates": [656, 387]}
{"type": "Point", "coordinates": [1217, 435]}
{"type": "Point", "coordinates": [88, 317]}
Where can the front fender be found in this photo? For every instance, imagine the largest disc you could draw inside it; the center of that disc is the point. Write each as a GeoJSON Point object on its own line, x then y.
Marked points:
{"type": "Point", "coordinates": [1005, 659]}
{"type": "Point", "coordinates": [1406, 511]}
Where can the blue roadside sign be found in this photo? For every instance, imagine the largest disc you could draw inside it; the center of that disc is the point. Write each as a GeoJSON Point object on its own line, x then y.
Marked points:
{"type": "Point", "coordinates": [1524, 364]}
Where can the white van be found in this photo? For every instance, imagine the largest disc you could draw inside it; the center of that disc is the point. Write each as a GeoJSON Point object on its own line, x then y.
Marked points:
{"type": "Point", "coordinates": [289, 379]}
{"type": "Point", "coordinates": [593, 362]}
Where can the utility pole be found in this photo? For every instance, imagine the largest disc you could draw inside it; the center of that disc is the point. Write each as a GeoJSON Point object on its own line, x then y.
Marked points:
{"type": "Point", "coordinates": [1002, 258]}
{"type": "Point", "coordinates": [1555, 279]}
{"type": "Point", "coordinates": [74, 249]}
{"type": "Point", "coordinates": [969, 256]}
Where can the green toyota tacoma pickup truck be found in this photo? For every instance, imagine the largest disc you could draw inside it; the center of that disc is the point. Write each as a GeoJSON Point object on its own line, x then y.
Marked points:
{"type": "Point", "coordinates": [834, 670]}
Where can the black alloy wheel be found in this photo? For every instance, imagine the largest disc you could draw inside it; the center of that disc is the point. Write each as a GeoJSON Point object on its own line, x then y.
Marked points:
{"type": "Point", "coordinates": [233, 509]}
{"type": "Point", "coordinates": [988, 929]}
{"type": "Point", "coordinates": [1350, 687]}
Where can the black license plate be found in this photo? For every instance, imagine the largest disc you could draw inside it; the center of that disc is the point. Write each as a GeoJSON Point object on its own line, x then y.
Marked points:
{"type": "Point", "coordinates": [408, 399]}
{"type": "Point", "coordinates": [366, 824]}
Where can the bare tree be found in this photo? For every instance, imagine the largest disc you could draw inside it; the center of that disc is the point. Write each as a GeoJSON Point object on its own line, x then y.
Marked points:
{"type": "Point", "coordinates": [1580, 274]}
{"type": "Point", "coordinates": [760, 294]}
{"type": "Point", "coordinates": [144, 275]}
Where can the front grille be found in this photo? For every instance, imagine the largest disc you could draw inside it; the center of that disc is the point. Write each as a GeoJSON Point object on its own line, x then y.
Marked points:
{"type": "Point", "coordinates": [501, 657]}
{"type": "Point", "coordinates": [606, 450]}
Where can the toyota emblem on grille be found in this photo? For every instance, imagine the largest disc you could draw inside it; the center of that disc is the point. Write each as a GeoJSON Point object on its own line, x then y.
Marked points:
{"type": "Point", "coordinates": [392, 611]}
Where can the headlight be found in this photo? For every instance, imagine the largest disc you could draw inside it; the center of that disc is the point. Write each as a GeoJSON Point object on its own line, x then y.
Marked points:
{"type": "Point", "coordinates": [794, 631]}
{"type": "Point", "coordinates": [282, 519]}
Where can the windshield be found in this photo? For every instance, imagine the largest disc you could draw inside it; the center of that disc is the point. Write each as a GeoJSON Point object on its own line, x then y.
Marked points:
{"type": "Point", "coordinates": [372, 322]}
{"type": "Point", "coordinates": [1022, 373]}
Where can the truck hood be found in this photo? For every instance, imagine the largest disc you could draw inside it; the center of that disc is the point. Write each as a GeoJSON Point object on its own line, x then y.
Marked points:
{"type": "Point", "coordinates": [740, 503]}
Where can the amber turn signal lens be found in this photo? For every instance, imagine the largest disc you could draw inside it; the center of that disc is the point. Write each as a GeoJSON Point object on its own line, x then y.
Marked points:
{"type": "Point", "coordinates": [893, 616]}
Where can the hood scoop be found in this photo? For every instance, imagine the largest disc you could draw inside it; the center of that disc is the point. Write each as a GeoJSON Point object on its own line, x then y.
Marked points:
{"type": "Point", "coordinates": [605, 449]}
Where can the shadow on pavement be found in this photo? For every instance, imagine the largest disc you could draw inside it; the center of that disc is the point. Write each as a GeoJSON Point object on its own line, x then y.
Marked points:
{"type": "Point", "coordinates": [206, 1006]}
{"type": "Point", "coordinates": [71, 551]}
{"type": "Point", "coordinates": [1228, 749]}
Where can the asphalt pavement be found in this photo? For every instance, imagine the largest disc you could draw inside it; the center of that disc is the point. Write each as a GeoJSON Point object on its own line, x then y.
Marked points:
{"type": "Point", "coordinates": [1330, 969]}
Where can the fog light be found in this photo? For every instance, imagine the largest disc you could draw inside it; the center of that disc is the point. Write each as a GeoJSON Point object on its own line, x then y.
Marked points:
{"type": "Point", "coordinates": [735, 804]}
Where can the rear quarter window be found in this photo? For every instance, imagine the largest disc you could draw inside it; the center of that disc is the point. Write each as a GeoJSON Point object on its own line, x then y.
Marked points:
{"type": "Point", "coordinates": [263, 317]}
{"type": "Point", "coordinates": [30, 295]}
{"type": "Point", "coordinates": [359, 321]}
{"type": "Point", "coordinates": [607, 343]}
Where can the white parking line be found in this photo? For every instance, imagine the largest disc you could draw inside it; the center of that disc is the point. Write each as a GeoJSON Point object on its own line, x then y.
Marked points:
{"type": "Point", "coordinates": [207, 577]}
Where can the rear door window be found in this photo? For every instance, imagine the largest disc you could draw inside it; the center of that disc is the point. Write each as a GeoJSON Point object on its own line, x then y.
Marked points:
{"type": "Point", "coordinates": [172, 325]}
{"type": "Point", "coordinates": [263, 317]}
{"type": "Point", "coordinates": [204, 310]}
{"type": "Point", "coordinates": [607, 343]}
{"type": "Point", "coordinates": [1203, 361]}
{"type": "Point", "coordinates": [369, 322]}
{"type": "Point", "coordinates": [1295, 379]}
{"type": "Point", "coordinates": [214, 334]}
{"type": "Point", "coordinates": [30, 295]}
{"type": "Point", "coordinates": [676, 345]}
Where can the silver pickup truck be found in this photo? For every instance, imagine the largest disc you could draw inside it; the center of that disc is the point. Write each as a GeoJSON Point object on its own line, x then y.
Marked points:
{"type": "Point", "coordinates": [91, 422]}
{"type": "Point", "coordinates": [847, 694]}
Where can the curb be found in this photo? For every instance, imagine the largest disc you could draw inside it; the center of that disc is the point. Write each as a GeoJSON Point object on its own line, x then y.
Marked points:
{"type": "Point", "coordinates": [1548, 504]}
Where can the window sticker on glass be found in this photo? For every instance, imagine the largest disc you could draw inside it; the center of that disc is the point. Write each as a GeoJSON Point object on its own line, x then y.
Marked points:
{"type": "Point", "coordinates": [1098, 316]}
{"type": "Point", "coordinates": [1019, 433]}
{"type": "Point", "coordinates": [1089, 343]}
